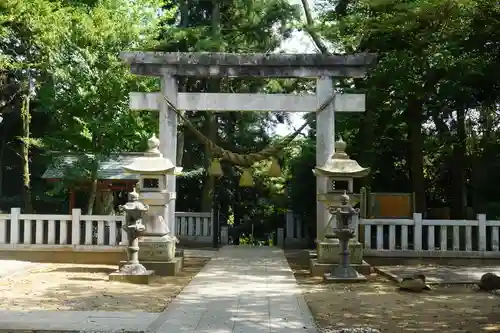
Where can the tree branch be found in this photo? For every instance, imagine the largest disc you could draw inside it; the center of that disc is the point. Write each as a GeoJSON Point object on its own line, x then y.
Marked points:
{"type": "Point", "coordinates": [310, 30]}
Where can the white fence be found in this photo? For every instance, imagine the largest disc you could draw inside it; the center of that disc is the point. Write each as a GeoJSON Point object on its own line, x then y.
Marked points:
{"type": "Point", "coordinates": [432, 238]}
{"type": "Point", "coordinates": [195, 227]}
{"type": "Point", "coordinates": [381, 237]}
{"type": "Point", "coordinates": [18, 229]}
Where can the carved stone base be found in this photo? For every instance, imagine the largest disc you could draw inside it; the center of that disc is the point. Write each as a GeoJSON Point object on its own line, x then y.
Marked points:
{"type": "Point", "coordinates": [156, 248]}
{"type": "Point", "coordinates": [343, 275]}
{"type": "Point", "coordinates": [163, 268]}
{"type": "Point", "coordinates": [124, 275]}
{"type": "Point", "coordinates": [319, 269]}
{"type": "Point", "coordinates": [329, 252]}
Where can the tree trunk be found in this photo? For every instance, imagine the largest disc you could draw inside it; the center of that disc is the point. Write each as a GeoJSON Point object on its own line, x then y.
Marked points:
{"type": "Point", "coordinates": [211, 118]}
{"type": "Point", "coordinates": [482, 153]}
{"type": "Point", "coordinates": [25, 153]}
{"type": "Point", "coordinates": [2, 151]}
{"type": "Point", "coordinates": [104, 203]}
{"type": "Point", "coordinates": [367, 138]}
{"type": "Point", "coordinates": [92, 195]}
{"type": "Point", "coordinates": [184, 10]}
{"type": "Point", "coordinates": [415, 138]}
{"type": "Point", "coordinates": [459, 189]}
{"type": "Point", "coordinates": [180, 135]}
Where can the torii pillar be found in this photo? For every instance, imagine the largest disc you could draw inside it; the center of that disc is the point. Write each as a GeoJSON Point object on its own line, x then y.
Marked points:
{"type": "Point", "coordinates": [169, 66]}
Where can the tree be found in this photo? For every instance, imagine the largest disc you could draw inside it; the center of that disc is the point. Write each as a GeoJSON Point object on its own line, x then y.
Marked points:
{"type": "Point", "coordinates": [434, 71]}
{"type": "Point", "coordinates": [88, 98]}
{"type": "Point", "coordinates": [31, 31]}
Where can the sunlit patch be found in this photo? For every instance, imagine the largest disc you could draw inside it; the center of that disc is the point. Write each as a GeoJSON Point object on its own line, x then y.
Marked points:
{"type": "Point", "coordinates": [491, 327]}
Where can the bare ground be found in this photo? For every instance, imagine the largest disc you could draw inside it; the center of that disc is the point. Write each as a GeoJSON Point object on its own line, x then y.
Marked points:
{"type": "Point", "coordinates": [86, 288]}
{"type": "Point", "coordinates": [378, 304]}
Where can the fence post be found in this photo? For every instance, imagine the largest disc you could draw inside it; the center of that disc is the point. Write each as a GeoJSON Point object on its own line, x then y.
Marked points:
{"type": "Point", "coordinates": [280, 239]}
{"type": "Point", "coordinates": [417, 231]}
{"type": "Point", "coordinates": [481, 234]}
{"type": "Point", "coordinates": [14, 225]}
{"type": "Point", "coordinates": [75, 226]}
{"type": "Point", "coordinates": [355, 225]}
{"type": "Point", "coordinates": [289, 224]}
{"type": "Point", "coordinates": [224, 235]}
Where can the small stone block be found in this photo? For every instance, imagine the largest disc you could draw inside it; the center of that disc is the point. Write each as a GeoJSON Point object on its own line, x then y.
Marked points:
{"type": "Point", "coordinates": [146, 278]}
{"type": "Point", "coordinates": [328, 278]}
{"type": "Point", "coordinates": [163, 268]}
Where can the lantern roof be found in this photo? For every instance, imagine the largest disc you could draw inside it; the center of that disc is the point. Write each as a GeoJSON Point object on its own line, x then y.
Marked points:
{"type": "Point", "coordinates": [152, 162]}
{"type": "Point", "coordinates": [341, 165]}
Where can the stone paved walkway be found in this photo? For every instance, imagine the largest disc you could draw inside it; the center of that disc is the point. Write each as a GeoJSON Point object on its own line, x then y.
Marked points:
{"type": "Point", "coordinates": [241, 290]}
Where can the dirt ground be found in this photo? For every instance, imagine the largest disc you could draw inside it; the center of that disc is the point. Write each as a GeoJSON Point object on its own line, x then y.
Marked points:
{"type": "Point", "coordinates": [378, 304]}
{"type": "Point", "coordinates": [86, 288]}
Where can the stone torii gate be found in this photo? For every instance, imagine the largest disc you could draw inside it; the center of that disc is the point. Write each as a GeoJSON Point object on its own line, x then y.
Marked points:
{"type": "Point", "coordinates": [169, 66]}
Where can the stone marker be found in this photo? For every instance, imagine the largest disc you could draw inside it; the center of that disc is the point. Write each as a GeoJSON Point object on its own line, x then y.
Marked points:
{"type": "Point", "coordinates": [416, 283]}
{"type": "Point", "coordinates": [489, 282]}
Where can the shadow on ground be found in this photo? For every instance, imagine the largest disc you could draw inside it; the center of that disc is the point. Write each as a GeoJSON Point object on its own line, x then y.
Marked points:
{"type": "Point", "coordinates": [378, 304]}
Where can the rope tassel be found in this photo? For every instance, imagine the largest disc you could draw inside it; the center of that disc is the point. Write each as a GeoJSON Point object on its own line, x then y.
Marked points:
{"type": "Point", "coordinates": [215, 168]}
{"type": "Point", "coordinates": [246, 179]}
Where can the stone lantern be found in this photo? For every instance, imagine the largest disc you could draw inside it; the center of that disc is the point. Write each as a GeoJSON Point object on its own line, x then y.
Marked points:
{"type": "Point", "coordinates": [132, 270]}
{"type": "Point", "coordinates": [157, 243]}
{"type": "Point", "coordinates": [340, 171]}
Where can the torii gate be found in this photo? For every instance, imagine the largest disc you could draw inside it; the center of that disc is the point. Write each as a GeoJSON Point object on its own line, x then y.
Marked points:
{"type": "Point", "coordinates": [169, 66]}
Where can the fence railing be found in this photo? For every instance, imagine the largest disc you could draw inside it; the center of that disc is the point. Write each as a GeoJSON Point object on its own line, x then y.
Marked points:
{"type": "Point", "coordinates": [435, 238]}
{"type": "Point", "coordinates": [194, 226]}
{"type": "Point", "coordinates": [77, 229]}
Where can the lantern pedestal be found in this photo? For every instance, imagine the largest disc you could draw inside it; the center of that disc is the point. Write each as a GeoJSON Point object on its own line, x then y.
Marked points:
{"type": "Point", "coordinates": [162, 268]}
{"type": "Point", "coordinates": [329, 251]}
{"type": "Point", "coordinates": [145, 277]}
{"type": "Point", "coordinates": [158, 254]}
{"type": "Point", "coordinates": [132, 270]}
{"type": "Point", "coordinates": [328, 256]}
{"type": "Point", "coordinates": [344, 271]}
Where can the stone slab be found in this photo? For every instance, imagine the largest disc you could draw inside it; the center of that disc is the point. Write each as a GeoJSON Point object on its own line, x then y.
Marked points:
{"type": "Point", "coordinates": [319, 269]}
{"type": "Point", "coordinates": [436, 274]}
{"type": "Point", "coordinates": [200, 253]}
{"type": "Point", "coordinates": [328, 278]}
{"type": "Point", "coordinates": [163, 268]}
{"type": "Point", "coordinates": [145, 278]}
